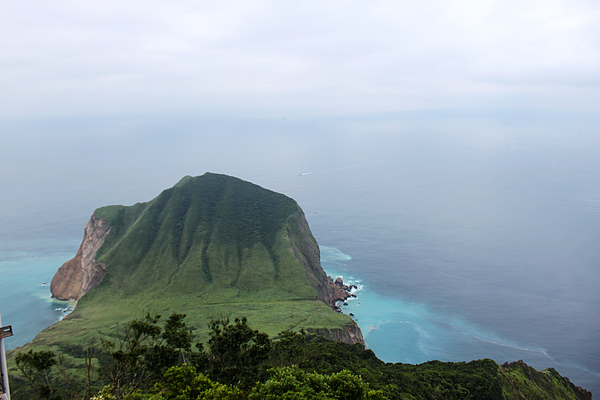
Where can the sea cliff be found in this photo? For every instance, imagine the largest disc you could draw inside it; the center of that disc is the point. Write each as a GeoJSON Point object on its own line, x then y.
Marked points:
{"type": "Point", "coordinates": [81, 273]}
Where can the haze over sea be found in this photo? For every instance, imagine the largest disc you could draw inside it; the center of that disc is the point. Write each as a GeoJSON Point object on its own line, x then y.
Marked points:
{"type": "Point", "coordinates": [467, 239]}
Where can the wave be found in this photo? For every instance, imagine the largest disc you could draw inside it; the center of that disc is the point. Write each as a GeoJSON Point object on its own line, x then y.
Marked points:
{"type": "Point", "coordinates": [504, 343]}
{"type": "Point", "coordinates": [331, 254]}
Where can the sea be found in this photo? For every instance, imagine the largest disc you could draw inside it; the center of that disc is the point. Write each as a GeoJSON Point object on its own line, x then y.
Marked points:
{"type": "Point", "coordinates": [467, 236]}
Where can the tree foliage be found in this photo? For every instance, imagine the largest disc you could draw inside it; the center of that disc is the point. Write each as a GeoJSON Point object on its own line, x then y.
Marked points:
{"type": "Point", "coordinates": [35, 367]}
{"type": "Point", "coordinates": [294, 383]}
{"type": "Point", "coordinates": [185, 383]}
{"type": "Point", "coordinates": [151, 361]}
{"type": "Point", "coordinates": [144, 352]}
{"type": "Point", "coordinates": [289, 348]}
{"type": "Point", "coordinates": [235, 351]}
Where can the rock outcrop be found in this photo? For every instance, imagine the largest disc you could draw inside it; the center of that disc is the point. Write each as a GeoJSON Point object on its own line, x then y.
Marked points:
{"type": "Point", "coordinates": [341, 291]}
{"type": "Point", "coordinates": [307, 251]}
{"type": "Point", "coordinates": [349, 334]}
{"type": "Point", "coordinates": [81, 273]}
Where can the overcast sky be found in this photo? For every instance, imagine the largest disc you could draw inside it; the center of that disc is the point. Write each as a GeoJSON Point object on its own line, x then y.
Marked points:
{"type": "Point", "coordinates": [304, 58]}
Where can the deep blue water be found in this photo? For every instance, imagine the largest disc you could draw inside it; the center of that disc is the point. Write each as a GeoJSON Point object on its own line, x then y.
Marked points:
{"type": "Point", "coordinates": [469, 238]}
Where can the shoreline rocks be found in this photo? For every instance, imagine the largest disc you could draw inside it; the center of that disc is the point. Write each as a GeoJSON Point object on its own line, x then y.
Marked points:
{"type": "Point", "coordinates": [341, 292]}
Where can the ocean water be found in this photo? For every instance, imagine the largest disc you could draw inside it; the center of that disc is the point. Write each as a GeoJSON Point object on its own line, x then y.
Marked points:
{"type": "Point", "coordinates": [468, 237]}
{"type": "Point", "coordinates": [26, 302]}
{"type": "Point", "coordinates": [397, 329]}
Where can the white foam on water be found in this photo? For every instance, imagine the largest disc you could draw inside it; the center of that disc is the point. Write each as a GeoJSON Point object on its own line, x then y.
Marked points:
{"type": "Point", "coordinates": [331, 254]}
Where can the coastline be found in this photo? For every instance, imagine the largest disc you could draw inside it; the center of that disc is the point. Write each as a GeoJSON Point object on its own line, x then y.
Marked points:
{"type": "Point", "coordinates": [411, 333]}
{"type": "Point", "coordinates": [24, 274]}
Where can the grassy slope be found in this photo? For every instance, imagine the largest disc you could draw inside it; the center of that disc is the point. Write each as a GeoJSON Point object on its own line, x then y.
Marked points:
{"type": "Point", "coordinates": [211, 245]}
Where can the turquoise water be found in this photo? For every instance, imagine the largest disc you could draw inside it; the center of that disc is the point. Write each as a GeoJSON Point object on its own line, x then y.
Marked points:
{"type": "Point", "coordinates": [26, 301]}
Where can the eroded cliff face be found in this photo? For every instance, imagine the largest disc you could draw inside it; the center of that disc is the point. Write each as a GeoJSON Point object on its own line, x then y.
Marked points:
{"type": "Point", "coordinates": [349, 334]}
{"type": "Point", "coordinates": [81, 273]}
{"type": "Point", "coordinates": [330, 292]}
{"type": "Point", "coordinates": [307, 251]}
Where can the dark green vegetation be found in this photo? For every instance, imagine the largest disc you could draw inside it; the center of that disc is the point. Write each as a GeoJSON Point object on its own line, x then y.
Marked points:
{"type": "Point", "coordinates": [150, 361]}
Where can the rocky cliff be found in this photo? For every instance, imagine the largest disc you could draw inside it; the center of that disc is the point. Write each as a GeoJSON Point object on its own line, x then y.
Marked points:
{"type": "Point", "coordinates": [349, 334]}
{"type": "Point", "coordinates": [81, 273]}
{"type": "Point", "coordinates": [307, 252]}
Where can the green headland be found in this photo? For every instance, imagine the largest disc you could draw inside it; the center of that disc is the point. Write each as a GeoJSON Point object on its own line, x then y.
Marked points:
{"type": "Point", "coordinates": [211, 245]}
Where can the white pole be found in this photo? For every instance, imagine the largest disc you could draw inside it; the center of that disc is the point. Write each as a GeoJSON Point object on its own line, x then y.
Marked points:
{"type": "Point", "coordinates": [3, 368]}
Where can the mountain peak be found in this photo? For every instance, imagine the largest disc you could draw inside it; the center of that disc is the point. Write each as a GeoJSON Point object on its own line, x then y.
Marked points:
{"type": "Point", "coordinates": [212, 238]}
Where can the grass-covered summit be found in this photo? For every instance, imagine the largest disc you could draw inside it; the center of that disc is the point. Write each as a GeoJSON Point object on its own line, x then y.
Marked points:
{"type": "Point", "coordinates": [210, 233]}
{"type": "Point", "coordinates": [211, 245]}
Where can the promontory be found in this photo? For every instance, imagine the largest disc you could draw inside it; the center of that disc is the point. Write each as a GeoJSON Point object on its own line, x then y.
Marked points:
{"type": "Point", "coordinates": [211, 245]}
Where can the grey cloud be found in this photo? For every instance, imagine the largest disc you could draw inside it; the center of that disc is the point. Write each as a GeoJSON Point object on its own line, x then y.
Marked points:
{"type": "Point", "coordinates": [307, 57]}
